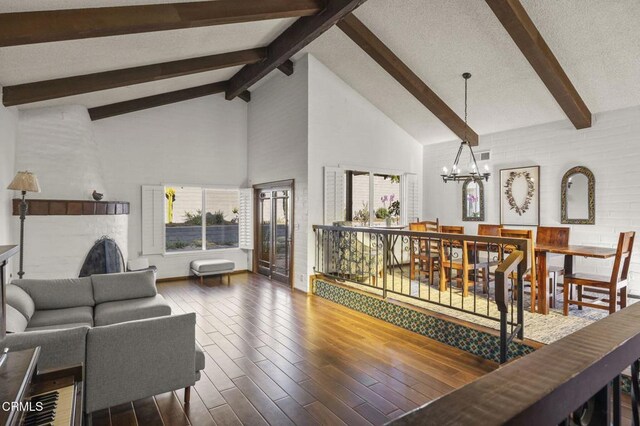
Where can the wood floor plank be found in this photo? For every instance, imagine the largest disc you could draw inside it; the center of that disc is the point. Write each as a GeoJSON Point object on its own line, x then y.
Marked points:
{"type": "Point", "coordinates": [283, 364]}
{"type": "Point", "coordinates": [324, 415]}
{"type": "Point", "coordinates": [339, 408]}
{"type": "Point", "coordinates": [123, 414]}
{"type": "Point", "coordinates": [242, 408]}
{"type": "Point", "coordinates": [203, 338]}
{"type": "Point", "coordinates": [205, 325]}
{"type": "Point", "coordinates": [196, 411]}
{"type": "Point", "coordinates": [101, 418]}
{"type": "Point", "coordinates": [337, 389]}
{"type": "Point", "coordinates": [218, 377]}
{"type": "Point", "coordinates": [371, 414]}
{"type": "Point", "coordinates": [229, 348]}
{"type": "Point", "coordinates": [171, 410]}
{"type": "Point", "coordinates": [375, 400]}
{"type": "Point", "coordinates": [245, 348]}
{"type": "Point", "coordinates": [227, 365]}
{"type": "Point", "coordinates": [268, 385]}
{"type": "Point", "coordinates": [296, 412]}
{"type": "Point", "coordinates": [265, 406]}
{"type": "Point", "coordinates": [247, 336]}
{"type": "Point", "coordinates": [301, 396]}
{"type": "Point", "coordinates": [394, 397]}
{"type": "Point", "coordinates": [146, 412]}
{"type": "Point", "coordinates": [224, 416]}
{"type": "Point", "coordinates": [207, 392]}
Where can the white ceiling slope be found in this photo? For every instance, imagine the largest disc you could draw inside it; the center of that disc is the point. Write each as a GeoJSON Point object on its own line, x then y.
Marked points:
{"type": "Point", "coordinates": [596, 41]}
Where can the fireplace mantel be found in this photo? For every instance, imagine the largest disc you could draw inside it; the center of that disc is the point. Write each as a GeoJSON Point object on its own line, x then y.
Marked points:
{"type": "Point", "coordinates": [72, 207]}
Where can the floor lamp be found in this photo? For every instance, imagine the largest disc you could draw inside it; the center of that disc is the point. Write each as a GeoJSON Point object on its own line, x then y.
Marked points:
{"type": "Point", "coordinates": [23, 182]}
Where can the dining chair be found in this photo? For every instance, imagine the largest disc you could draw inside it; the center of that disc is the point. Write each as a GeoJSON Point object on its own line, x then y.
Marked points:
{"type": "Point", "coordinates": [531, 274]}
{"type": "Point", "coordinates": [463, 266]}
{"type": "Point", "coordinates": [553, 236]}
{"type": "Point", "coordinates": [422, 256]}
{"type": "Point", "coordinates": [489, 230]}
{"type": "Point", "coordinates": [602, 284]}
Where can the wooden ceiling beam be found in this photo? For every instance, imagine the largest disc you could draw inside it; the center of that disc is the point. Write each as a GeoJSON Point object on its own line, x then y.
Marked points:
{"type": "Point", "coordinates": [133, 105]}
{"type": "Point", "coordinates": [69, 24]}
{"type": "Point", "coordinates": [291, 41]}
{"type": "Point", "coordinates": [69, 86]}
{"type": "Point", "coordinates": [286, 67]}
{"type": "Point", "coordinates": [524, 33]}
{"type": "Point", "coordinates": [379, 52]}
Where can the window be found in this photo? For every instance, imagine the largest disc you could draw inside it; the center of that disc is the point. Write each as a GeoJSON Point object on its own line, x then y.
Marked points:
{"type": "Point", "coordinates": [372, 198]}
{"type": "Point", "coordinates": [185, 229]}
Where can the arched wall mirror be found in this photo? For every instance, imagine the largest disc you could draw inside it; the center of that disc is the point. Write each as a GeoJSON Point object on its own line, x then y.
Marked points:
{"type": "Point", "coordinates": [578, 205]}
{"type": "Point", "coordinates": [472, 201]}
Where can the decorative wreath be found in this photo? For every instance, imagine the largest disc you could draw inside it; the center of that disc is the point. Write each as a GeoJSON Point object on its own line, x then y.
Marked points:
{"type": "Point", "coordinates": [509, 192]}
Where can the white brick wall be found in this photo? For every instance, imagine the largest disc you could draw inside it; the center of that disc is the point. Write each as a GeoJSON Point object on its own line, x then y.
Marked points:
{"type": "Point", "coordinates": [56, 246]}
{"type": "Point", "coordinates": [58, 145]}
{"type": "Point", "coordinates": [610, 148]}
{"type": "Point", "coordinates": [8, 130]}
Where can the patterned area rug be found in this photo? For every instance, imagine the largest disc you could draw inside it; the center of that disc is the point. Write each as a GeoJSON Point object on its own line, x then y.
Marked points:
{"type": "Point", "coordinates": [540, 328]}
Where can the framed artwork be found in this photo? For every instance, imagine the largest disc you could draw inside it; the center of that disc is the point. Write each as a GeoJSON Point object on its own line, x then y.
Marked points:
{"type": "Point", "coordinates": [520, 196]}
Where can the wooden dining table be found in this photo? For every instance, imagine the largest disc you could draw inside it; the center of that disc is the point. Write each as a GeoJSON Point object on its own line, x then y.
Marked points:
{"type": "Point", "coordinates": [570, 252]}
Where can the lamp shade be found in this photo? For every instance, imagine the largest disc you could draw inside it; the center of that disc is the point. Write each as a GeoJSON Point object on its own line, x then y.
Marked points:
{"type": "Point", "coordinates": [25, 181]}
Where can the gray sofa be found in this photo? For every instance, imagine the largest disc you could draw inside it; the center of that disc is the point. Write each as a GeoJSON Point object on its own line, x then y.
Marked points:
{"type": "Point", "coordinates": [116, 325]}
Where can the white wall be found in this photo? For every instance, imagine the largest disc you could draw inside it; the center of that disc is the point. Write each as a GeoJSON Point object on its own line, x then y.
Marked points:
{"type": "Point", "coordinates": [196, 142]}
{"type": "Point", "coordinates": [347, 130]}
{"type": "Point", "coordinates": [610, 148]}
{"type": "Point", "coordinates": [8, 131]}
{"type": "Point", "coordinates": [278, 150]}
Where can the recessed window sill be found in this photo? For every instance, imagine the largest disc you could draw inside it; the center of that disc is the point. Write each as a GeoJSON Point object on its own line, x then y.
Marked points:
{"type": "Point", "coordinates": [192, 252]}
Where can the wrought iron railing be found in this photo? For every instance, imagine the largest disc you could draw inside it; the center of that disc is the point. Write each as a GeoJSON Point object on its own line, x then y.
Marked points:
{"type": "Point", "coordinates": [481, 276]}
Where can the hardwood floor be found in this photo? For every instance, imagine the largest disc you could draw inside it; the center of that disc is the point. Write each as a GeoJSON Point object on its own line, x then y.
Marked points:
{"type": "Point", "coordinates": [279, 357]}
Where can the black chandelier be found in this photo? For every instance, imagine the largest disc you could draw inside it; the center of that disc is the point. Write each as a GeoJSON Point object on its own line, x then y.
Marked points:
{"type": "Point", "coordinates": [456, 174]}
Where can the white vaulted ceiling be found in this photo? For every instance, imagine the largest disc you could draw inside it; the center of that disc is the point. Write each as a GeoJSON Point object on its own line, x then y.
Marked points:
{"type": "Point", "coordinates": [597, 42]}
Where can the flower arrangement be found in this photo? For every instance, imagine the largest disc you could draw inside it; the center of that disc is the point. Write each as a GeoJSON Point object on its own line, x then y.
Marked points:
{"type": "Point", "coordinates": [513, 205]}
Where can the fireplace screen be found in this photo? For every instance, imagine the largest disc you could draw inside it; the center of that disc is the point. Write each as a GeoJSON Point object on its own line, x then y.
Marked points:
{"type": "Point", "coordinates": [104, 257]}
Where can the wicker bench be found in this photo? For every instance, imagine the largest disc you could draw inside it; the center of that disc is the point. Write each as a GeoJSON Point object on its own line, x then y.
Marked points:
{"type": "Point", "coordinates": [205, 268]}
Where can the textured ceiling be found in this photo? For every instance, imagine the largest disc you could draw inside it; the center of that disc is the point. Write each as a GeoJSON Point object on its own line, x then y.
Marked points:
{"type": "Point", "coordinates": [36, 62]}
{"type": "Point", "coordinates": [596, 41]}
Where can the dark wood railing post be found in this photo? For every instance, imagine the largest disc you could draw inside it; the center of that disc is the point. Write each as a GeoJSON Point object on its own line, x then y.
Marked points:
{"type": "Point", "coordinates": [635, 392]}
{"type": "Point", "coordinates": [502, 296]}
{"type": "Point", "coordinates": [522, 270]}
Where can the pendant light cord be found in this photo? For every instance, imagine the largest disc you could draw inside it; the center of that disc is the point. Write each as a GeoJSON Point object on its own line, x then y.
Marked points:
{"type": "Point", "coordinates": [465, 109]}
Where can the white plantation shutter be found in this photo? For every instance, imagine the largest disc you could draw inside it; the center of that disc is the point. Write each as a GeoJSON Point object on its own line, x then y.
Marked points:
{"type": "Point", "coordinates": [333, 195]}
{"type": "Point", "coordinates": [153, 219]}
{"type": "Point", "coordinates": [411, 198]}
{"type": "Point", "coordinates": [245, 219]}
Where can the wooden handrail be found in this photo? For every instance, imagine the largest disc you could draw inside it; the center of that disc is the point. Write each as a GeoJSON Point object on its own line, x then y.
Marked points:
{"type": "Point", "coordinates": [520, 243]}
{"type": "Point", "coordinates": [545, 386]}
{"type": "Point", "coordinates": [504, 269]}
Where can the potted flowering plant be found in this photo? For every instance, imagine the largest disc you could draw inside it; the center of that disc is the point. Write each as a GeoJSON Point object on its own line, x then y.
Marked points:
{"type": "Point", "coordinates": [392, 212]}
